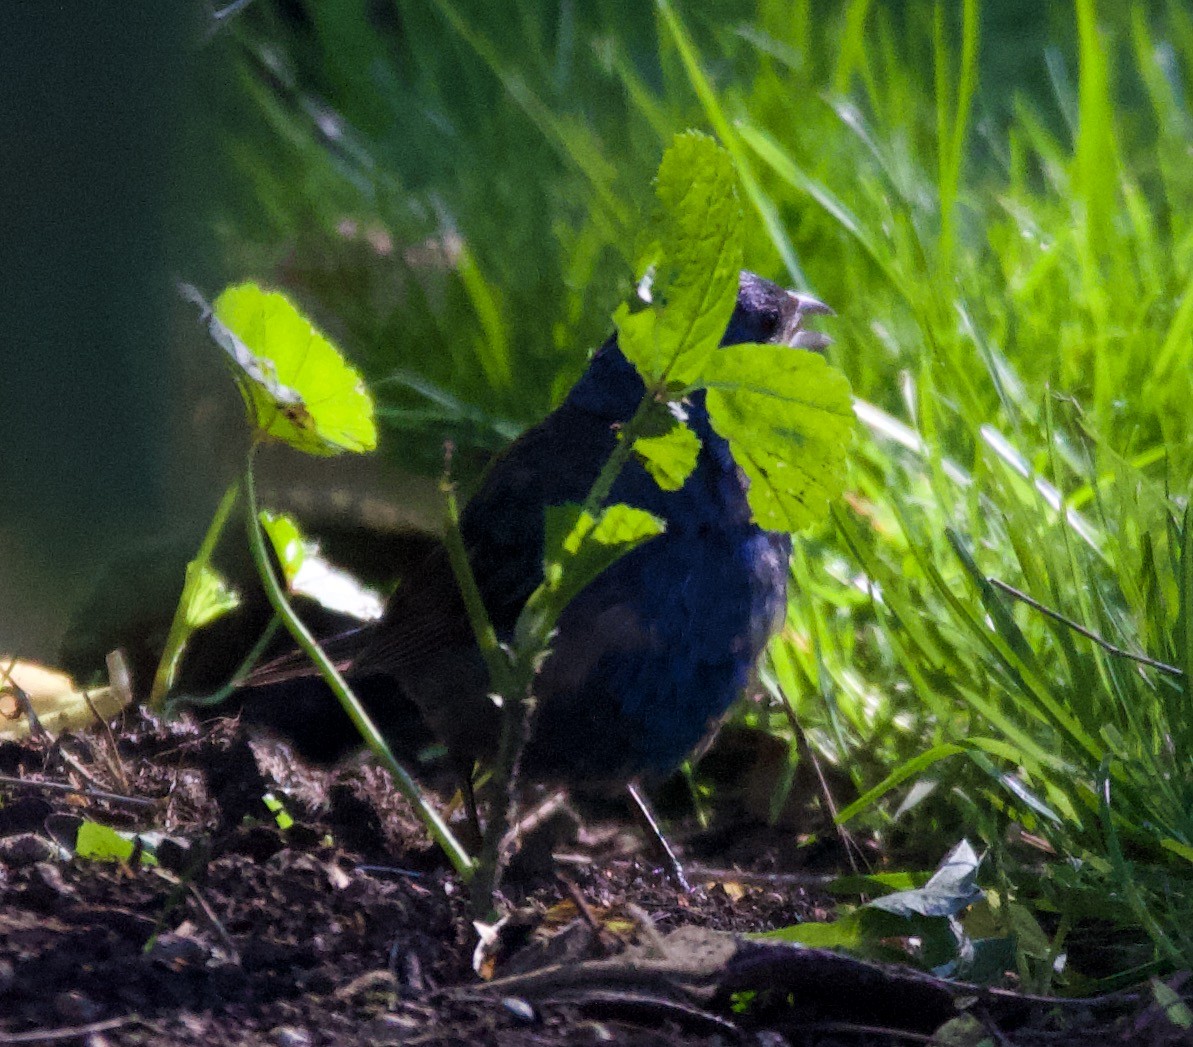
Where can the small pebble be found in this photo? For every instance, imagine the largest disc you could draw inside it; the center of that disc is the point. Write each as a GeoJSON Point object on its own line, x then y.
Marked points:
{"type": "Point", "coordinates": [25, 849]}
{"type": "Point", "coordinates": [520, 1009]}
{"type": "Point", "coordinates": [76, 1008]}
{"type": "Point", "coordinates": [290, 1036]}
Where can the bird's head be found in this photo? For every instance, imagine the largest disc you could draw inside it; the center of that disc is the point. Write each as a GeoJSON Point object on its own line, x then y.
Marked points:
{"type": "Point", "coordinates": [764, 313]}
{"type": "Point", "coordinates": [768, 313]}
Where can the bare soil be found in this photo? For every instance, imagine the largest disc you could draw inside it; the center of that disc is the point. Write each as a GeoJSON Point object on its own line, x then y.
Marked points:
{"type": "Point", "coordinates": [347, 927]}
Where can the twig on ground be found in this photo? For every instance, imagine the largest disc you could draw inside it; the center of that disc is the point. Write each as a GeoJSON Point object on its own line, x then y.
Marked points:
{"type": "Point", "coordinates": [868, 1030]}
{"type": "Point", "coordinates": [765, 879]}
{"type": "Point", "coordinates": [66, 787]}
{"type": "Point", "coordinates": [217, 926]}
{"type": "Point", "coordinates": [67, 1032]}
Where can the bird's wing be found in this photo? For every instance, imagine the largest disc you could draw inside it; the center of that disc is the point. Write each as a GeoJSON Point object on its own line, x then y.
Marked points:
{"type": "Point", "coordinates": [502, 527]}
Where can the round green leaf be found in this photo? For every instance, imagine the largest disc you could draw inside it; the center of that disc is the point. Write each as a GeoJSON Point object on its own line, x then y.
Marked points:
{"type": "Point", "coordinates": [297, 388]}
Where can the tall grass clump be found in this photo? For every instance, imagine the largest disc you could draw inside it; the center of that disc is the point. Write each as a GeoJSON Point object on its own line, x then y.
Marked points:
{"type": "Point", "coordinates": [1019, 336]}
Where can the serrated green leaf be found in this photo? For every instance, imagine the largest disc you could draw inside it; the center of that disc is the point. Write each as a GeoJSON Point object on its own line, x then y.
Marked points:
{"type": "Point", "coordinates": [307, 573]}
{"type": "Point", "coordinates": [617, 525]}
{"type": "Point", "coordinates": [206, 596]}
{"type": "Point", "coordinates": [669, 457]}
{"type": "Point", "coordinates": [789, 421]}
{"type": "Point", "coordinates": [296, 386]}
{"type": "Point", "coordinates": [696, 264]}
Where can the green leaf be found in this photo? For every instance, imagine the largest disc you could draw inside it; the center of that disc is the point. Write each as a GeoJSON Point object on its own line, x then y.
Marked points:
{"type": "Point", "coordinates": [308, 573]}
{"type": "Point", "coordinates": [691, 271]}
{"type": "Point", "coordinates": [104, 844]}
{"type": "Point", "coordinates": [864, 932]}
{"type": "Point", "coordinates": [296, 386]}
{"type": "Point", "coordinates": [206, 596]}
{"type": "Point", "coordinates": [578, 546]}
{"type": "Point", "coordinates": [877, 883]}
{"type": "Point", "coordinates": [288, 544]}
{"type": "Point", "coordinates": [278, 809]}
{"type": "Point", "coordinates": [843, 933]}
{"type": "Point", "coordinates": [83, 838]}
{"type": "Point", "coordinates": [789, 420]}
{"type": "Point", "coordinates": [1174, 1008]}
{"type": "Point", "coordinates": [926, 913]}
{"type": "Point", "coordinates": [670, 457]}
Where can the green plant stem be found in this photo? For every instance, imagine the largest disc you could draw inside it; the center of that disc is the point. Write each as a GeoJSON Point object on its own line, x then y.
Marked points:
{"type": "Point", "coordinates": [224, 693]}
{"type": "Point", "coordinates": [544, 606]}
{"type": "Point", "coordinates": [496, 656]}
{"type": "Point", "coordinates": [614, 464]}
{"type": "Point", "coordinates": [513, 690]}
{"type": "Point", "coordinates": [461, 861]}
{"type": "Point", "coordinates": [163, 679]}
{"type": "Point", "coordinates": [517, 716]}
{"type": "Point", "coordinates": [512, 672]}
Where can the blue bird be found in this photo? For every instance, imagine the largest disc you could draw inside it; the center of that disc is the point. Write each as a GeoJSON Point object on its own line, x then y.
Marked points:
{"type": "Point", "coordinates": [649, 656]}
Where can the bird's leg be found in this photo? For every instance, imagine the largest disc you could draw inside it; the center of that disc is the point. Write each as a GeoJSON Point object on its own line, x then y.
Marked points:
{"type": "Point", "coordinates": [655, 835]}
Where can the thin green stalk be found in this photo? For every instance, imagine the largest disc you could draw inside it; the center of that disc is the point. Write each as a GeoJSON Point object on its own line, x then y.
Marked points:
{"type": "Point", "coordinates": [613, 466]}
{"type": "Point", "coordinates": [496, 657]}
{"type": "Point", "coordinates": [164, 677]}
{"type": "Point", "coordinates": [218, 697]}
{"type": "Point", "coordinates": [512, 673]}
{"type": "Point", "coordinates": [461, 862]}
{"type": "Point", "coordinates": [517, 717]}
{"type": "Point", "coordinates": [512, 682]}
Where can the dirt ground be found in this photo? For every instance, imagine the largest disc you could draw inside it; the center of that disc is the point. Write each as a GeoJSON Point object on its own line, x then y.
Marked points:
{"type": "Point", "coordinates": [347, 928]}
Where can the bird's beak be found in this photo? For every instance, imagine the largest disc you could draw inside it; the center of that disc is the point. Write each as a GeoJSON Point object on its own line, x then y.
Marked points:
{"type": "Point", "coordinates": [810, 306]}
{"type": "Point", "coordinates": [799, 307]}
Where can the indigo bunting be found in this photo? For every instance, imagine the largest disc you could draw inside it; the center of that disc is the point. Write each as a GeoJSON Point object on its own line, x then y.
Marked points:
{"type": "Point", "coordinates": [652, 652]}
